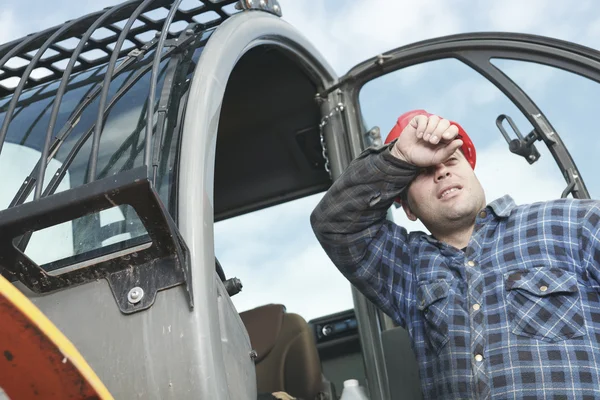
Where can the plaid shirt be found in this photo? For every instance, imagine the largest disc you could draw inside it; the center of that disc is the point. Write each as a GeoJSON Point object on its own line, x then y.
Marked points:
{"type": "Point", "coordinates": [514, 316]}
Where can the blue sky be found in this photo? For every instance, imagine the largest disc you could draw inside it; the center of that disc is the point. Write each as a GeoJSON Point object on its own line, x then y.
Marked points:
{"type": "Point", "coordinates": [274, 252]}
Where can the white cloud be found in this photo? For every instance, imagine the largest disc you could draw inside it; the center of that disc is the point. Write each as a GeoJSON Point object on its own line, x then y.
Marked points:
{"type": "Point", "coordinates": [517, 15]}
{"type": "Point", "coordinates": [462, 97]}
{"type": "Point", "coordinates": [558, 19]}
{"type": "Point", "coordinates": [501, 172]}
{"type": "Point", "coordinates": [305, 282]}
{"type": "Point", "coordinates": [593, 29]}
{"type": "Point", "coordinates": [265, 223]}
{"type": "Point", "coordinates": [8, 27]}
{"type": "Point", "coordinates": [533, 78]}
{"type": "Point", "coordinates": [361, 30]}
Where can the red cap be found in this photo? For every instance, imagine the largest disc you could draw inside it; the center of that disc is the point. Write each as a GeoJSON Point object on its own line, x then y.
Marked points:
{"type": "Point", "coordinates": [467, 148]}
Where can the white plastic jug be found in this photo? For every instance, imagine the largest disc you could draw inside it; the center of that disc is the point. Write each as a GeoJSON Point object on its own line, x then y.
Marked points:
{"type": "Point", "coordinates": [353, 391]}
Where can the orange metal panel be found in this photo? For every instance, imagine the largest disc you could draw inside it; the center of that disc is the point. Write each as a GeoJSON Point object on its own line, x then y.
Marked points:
{"type": "Point", "coordinates": [36, 359]}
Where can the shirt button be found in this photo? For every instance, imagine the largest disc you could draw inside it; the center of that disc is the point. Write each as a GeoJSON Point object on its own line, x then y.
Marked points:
{"type": "Point", "coordinates": [478, 358]}
{"type": "Point", "coordinates": [471, 263]}
{"type": "Point", "coordinates": [543, 288]}
{"type": "Point", "coordinates": [482, 214]}
{"type": "Point", "coordinates": [476, 307]}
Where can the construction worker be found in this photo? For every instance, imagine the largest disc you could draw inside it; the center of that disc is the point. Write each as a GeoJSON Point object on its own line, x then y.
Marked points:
{"type": "Point", "coordinates": [499, 300]}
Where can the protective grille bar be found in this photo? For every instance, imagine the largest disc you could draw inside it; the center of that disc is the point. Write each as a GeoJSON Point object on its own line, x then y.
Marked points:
{"type": "Point", "coordinates": [83, 30]}
{"type": "Point", "coordinates": [51, 66]}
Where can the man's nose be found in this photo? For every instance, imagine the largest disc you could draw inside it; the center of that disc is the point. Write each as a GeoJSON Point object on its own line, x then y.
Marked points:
{"type": "Point", "coordinates": [441, 172]}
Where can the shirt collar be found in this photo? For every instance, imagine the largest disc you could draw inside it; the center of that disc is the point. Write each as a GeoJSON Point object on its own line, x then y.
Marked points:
{"type": "Point", "coordinates": [502, 206]}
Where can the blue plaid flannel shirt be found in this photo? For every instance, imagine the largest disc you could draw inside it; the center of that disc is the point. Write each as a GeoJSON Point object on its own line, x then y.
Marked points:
{"type": "Point", "coordinates": [514, 316]}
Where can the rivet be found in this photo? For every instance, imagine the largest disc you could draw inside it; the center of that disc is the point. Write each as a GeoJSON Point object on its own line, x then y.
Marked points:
{"type": "Point", "coordinates": [543, 288]}
{"type": "Point", "coordinates": [471, 263]}
{"type": "Point", "coordinates": [135, 295]}
{"type": "Point", "coordinates": [478, 358]}
{"type": "Point", "coordinates": [483, 214]}
{"type": "Point", "coordinates": [476, 307]}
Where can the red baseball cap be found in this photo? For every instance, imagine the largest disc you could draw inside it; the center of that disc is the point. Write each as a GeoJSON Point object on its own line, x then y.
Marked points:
{"type": "Point", "coordinates": [467, 148]}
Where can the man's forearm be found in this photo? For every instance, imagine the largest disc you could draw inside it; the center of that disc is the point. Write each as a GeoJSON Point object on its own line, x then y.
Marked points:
{"type": "Point", "coordinates": [354, 208]}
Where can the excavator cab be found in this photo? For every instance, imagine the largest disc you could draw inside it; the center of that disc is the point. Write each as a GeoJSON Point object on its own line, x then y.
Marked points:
{"type": "Point", "coordinates": [130, 136]}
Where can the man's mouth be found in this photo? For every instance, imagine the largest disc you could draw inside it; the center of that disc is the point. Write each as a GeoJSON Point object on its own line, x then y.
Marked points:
{"type": "Point", "coordinates": [446, 192]}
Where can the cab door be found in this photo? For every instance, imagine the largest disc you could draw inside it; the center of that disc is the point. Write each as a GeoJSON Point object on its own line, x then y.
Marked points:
{"type": "Point", "coordinates": [529, 104]}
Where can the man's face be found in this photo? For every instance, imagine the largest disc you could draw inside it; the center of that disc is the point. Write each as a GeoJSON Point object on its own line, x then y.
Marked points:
{"type": "Point", "coordinates": [446, 195]}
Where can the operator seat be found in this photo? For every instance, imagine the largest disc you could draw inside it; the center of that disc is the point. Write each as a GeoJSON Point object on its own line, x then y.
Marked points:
{"type": "Point", "coordinates": [287, 358]}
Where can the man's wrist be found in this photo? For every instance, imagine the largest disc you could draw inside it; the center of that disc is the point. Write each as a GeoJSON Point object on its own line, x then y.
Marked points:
{"type": "Point", "coordinates": [396, 153]}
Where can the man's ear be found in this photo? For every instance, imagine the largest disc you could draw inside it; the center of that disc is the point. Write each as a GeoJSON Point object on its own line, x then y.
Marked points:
{"type": "Point", "coordinates": [408, 211]}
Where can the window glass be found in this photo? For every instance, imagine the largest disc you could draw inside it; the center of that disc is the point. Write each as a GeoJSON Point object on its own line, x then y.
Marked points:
{"type": "Point", "coordinates": [121, 148]}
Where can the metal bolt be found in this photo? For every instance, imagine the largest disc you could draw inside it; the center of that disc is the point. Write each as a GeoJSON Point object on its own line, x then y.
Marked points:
{"type": "Point", "coordinates": [250, 3]}
{"type": "Point", "coordinates": [375, 132]}
{"type": "Point", "coordinates": [276, 9]}
{"type": "Point", "coordinates": [263, 3]}
{"type": "Point", "coordinates": [189, 31]}
{"type": "Point", "coordinates": [532, 157]}
{"type": "Point", "coordinates": [253, 354]}
{"type": "Point", "coordinates": [135, 295]}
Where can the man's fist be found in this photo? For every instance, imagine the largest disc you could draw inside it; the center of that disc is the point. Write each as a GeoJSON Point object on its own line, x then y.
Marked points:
{"type": "Point", "coordinates": [427, 141]}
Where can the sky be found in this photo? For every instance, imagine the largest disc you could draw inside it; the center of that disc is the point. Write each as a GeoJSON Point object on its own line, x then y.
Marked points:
{"type": "Point", "coordinates": [274, 251]}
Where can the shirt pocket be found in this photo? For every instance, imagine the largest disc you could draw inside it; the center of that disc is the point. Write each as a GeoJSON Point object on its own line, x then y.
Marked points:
{"type": "Point", "coordinates": [545, 304]}
{"type": "Point", "coordinates": [433, 300]}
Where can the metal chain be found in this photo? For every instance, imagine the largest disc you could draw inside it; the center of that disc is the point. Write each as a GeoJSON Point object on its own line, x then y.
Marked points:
{"type": "Point", "coordinates": [338, 108]}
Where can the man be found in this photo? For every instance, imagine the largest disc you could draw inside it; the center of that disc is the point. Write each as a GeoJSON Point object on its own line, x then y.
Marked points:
{"type": "Point", "coordinates": [500, 301]}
